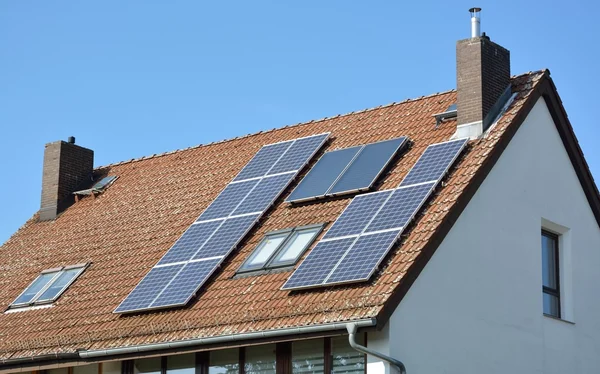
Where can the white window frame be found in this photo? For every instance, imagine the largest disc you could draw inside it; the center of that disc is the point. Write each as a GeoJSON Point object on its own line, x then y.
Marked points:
{"type": "Point", "coordinates": [269, 263]}
{"type": "Point", "coordinates": [57, 273]}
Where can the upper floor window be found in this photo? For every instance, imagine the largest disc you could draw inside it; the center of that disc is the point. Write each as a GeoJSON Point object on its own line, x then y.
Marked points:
{"type": "Point", "coordinates": [550, 274]}
{"type": "Point", "coordinates": [48, 286]}
{"type": "Point", "coordinates": [281, 248]}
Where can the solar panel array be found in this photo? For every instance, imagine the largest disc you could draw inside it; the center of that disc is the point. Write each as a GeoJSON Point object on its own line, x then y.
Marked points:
{"type": "Point", "coordinates": [188, 264]}
{"type": "Point", "coordinates": [367, 229]}
{"type": "Point", "coordinates": [347, 170]}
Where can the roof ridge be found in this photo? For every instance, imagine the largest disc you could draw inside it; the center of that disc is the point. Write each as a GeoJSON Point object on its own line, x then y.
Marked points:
{"type": "Point", "coordinates": [298, 124]}
{"type": "Point", "coordinates": [276, 128]}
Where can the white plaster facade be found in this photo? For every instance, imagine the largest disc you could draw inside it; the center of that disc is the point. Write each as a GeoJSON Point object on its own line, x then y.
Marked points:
{"type": "Point", "coordinates": [477, 305]}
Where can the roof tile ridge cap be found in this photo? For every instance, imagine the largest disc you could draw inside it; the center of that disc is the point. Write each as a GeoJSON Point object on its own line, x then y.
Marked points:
{"type": "Point", "coordinates": [143, 158]}
{"type": "Point", "coordinates": [545, 71]}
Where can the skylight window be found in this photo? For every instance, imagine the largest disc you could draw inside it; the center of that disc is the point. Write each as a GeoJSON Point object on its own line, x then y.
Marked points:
{"type": "Point", "coordinates": [48, 286]}
{"type": "Point", "coordinates": [281, 248]}
{"type": "Point", "coordinates": [98, 187]}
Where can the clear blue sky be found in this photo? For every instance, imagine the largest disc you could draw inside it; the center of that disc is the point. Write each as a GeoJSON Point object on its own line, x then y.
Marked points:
{"type": "Point", "coordinates": [134, 78]}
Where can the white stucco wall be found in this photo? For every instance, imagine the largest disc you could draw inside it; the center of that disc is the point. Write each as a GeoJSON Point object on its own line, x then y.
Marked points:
{"type": "Point", "coordinates": [477, 305]}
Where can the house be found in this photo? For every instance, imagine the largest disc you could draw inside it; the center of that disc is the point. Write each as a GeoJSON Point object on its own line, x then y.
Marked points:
{"type": "Point", "coordinates": [465, 241]}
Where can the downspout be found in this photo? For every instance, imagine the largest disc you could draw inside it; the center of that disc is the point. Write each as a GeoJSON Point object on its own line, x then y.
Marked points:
{"type": "Point", "coordinates": [351, 327]}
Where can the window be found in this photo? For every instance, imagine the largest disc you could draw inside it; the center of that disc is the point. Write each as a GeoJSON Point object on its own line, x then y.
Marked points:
{"type": "Point", "coordinates": [224, 361]}
{"type": "Point", "coordinates": [281, 248]}
{"type": "Point", "coordinates": [260, 359]}
{"type": "Point", "coordinates": [48, 286]}
{"type": "Point", "coordinates": [346, 359]}
{"type": "Point", "coordinates": [308, 357]}
{"type": "Point", "coordinates": [550, 274]}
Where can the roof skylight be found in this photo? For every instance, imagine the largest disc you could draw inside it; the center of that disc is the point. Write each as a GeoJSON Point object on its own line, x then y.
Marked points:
{"type": "Point", "coordinates": [48, 286]}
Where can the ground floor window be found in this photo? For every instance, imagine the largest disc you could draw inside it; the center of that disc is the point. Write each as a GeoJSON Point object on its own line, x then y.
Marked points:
{"type": "Point", "coordinates": [314, 356]}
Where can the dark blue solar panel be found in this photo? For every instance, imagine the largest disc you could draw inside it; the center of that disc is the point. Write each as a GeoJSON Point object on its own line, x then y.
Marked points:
{"type": "Point", "coordinates": [144, 293]}
{"type": "Point", "coordinates": [186, 283]}
{"type": "Point", "coordinates": [228, 200]}
{"type": "Point", "coordinates": [321, 177]}
{"type": "Point", "coordinates": [401, 207]}
{"type": "Point", "coordinates": [318, 264]}
{"type": "Point", "coordinates": [298, 154]}
{"type": "Point", "coordinates": [362, 259]}
{"type": "Point", "coordinates": [434, 162]}
{"type": "Point", "coordinates": [357, 215]}
{"type": "Point", "coordinates": [191, 240]}
{"type": "Point", "coordinates": [226, 237]}
{"type": "Point", "coordinates": [367, 166]}
{"type": "Point", "coordinates": [262, 161]}
{"type": "Point", "coordinates": [264, 194]}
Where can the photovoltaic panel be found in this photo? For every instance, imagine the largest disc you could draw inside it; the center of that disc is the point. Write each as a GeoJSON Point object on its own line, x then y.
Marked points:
{"type": "Point", "coordinates": [367, 166]}
{"type": "Point", "coordinates": [322, 176]}
{"type": "Point", "coordinates": [347, 170]}
{"type": "Point", "coordinates": [401, 207]}
{"type": "Point", "coordinates": [228, 200]}
{"type": "Point", "coordinates": [374, 223]}
{"type": "Point", "coordinates": [149, 287]}
{"type": "Point", "coordinates": [185, 284]}
{"type": "Point", "coordinates": [363, 257]}
{"type": "Point", "coordinates": [298, 154]}
{"type": "Point", "coordinates": [358, 214]}
{"type": "Point", "coordinates": [190, 242]}
{"type": "Point", "coordinates": [227, 236]}
{"type": "Point", "coordinates": [264, 194]}
{"type": "Point", "coordinates": [263, 160]}
{"type": "Point", "coordinates": [319, 264]}
{"type": "Point", "coordinates": [201, 249]}
{"type": "Point", "coordinates": [434, 162]}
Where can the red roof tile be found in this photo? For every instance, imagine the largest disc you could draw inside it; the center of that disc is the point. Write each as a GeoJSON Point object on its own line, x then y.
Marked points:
{"type": "Point", "coordinates": [125, 230]}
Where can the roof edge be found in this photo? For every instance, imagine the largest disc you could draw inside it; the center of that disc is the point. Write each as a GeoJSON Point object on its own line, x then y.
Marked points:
{"type": "Point", "coordinates": [189, 344]}
{"type": "Point", "coordinates": [546, 89]}
{"type": "Point", "coordinates": [277, 128]}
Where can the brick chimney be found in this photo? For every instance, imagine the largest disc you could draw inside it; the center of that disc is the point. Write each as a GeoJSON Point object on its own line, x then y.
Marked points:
{"type": "Point", "coordinates": [66, 167]}
{"type": "Point", "coordinates": [482, 80]}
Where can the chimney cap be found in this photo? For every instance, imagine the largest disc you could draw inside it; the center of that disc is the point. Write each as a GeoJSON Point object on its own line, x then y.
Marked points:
{"type": "Point", "coordinates": [474, 10]}
{"type": "Point", "coordinates": [71, 140]}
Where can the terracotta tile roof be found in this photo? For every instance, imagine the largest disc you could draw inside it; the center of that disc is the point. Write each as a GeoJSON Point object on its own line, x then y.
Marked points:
{"type": "Point", "coordinates": [124, 231]}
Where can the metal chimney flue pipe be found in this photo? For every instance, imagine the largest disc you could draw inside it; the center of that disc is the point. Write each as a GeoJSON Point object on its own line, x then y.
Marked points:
{"type": "Point", "coordinates": [475, 22]}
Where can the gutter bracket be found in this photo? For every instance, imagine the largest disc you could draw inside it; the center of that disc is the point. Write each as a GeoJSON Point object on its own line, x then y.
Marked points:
{"type": "Point", "coordinates": [351, 327]}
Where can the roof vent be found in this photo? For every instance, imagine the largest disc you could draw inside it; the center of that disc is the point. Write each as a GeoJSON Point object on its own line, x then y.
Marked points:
{"type": "Point", "coordinates": [71, 140]}
{"type": "Point", "coordinates": [475, 22]}
{"type": "Point", "coordinates": [449, 113]}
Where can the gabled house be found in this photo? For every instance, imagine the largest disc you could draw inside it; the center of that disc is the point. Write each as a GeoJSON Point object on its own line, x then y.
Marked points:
{"type": "Point", "coordinates": [456, 233]}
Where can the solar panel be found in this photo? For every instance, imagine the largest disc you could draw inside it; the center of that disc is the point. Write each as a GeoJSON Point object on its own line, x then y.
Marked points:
{"type": "Point", "coordinates": [228, 200]}
{"type": "Point", "coordinates": [434, 162]}
{"type": "Point", "coordinates": [298, 154]}
{"type": "Point", "coordinates": [263, 160]}
{"type": "Point", "coordinates": [357, 215]}
{"type": "Point", "coordinates": [220, 228]}
{"type": "Point", "coordinates": [372, 223]}
{"type": "Point", "coordinates": [149, 287]}
{"type": "Point", "coordinates": [264, 194]}
{"type": "Point", "coordinates": [183, 287]}
{"type": "Point", "coordinates": [322, 176]}
{"type": "Point", "coordinates": [227, 236]}
{"type": "Point", "coordinates": [190, 242]}
{"type": "Point", "coordinates": [347, 170]}
{"type": "Point", "coordinates": [400, 208]}
{"type": "Point", "coordinates": [318, 265]}
{"type": "Point", "coordinates": [368, 165]}
{"type": "Point", "coordinates": [362, 259]}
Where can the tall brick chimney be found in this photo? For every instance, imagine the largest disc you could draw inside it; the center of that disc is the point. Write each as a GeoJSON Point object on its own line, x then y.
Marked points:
{"type": "Point", "coordinates": [482, 80]}
{"type": "Point", "coordinates": [66, 167]}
